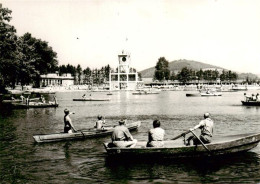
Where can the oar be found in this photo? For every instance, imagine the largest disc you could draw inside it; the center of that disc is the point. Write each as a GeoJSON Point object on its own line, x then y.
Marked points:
{"type": "Point", "coordinates": [200, 141]}
{"type": "Point", "coordinates": [181, 135]}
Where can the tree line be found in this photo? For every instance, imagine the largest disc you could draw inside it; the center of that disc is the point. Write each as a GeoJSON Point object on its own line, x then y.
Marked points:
{"type": "Point", "coordinates": [186, 75]}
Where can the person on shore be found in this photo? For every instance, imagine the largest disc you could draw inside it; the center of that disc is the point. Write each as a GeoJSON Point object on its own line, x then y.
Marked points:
{"type": "Point", "coordinates": [68, 125]}
{"type": "Point", "coordinates": [206, 127]}
{"type": "Point", "coordinates": [156, 135]}
{"type": "Point", "coordinates": [121, 136]}
{"type": "Point", "coordinates": [99, 123]}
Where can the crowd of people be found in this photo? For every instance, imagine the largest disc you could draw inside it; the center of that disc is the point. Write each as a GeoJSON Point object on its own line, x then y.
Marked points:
{"type": "Point", "coordinates": [121, 137]}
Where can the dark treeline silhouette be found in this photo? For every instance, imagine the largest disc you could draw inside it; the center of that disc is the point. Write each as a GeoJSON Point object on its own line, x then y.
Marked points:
{"type": "Point", "coordinates": [187, 75]}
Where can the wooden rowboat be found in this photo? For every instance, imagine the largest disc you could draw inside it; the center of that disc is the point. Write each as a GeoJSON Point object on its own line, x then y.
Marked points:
{"type": "Point", "coordinates": [91, 99]}
{"type": "Point", "coordinates": [210, 94]}
{"type": "Point", "coordinates": [145, 93]}
{"type": "Point", "coordinates": [192, 94]}
{"type": "Point", "coordinates": [175, 149]}
{"type": "Point", "coordinates": [33, 105]}
{"type": "Point", "coordinates": [82, 134]}
{"type": "Point", "coordinates": [251, 103]}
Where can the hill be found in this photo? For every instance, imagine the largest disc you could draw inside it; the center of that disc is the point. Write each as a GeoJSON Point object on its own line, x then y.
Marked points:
{"type": "Point", "coordinates": [177, 65]}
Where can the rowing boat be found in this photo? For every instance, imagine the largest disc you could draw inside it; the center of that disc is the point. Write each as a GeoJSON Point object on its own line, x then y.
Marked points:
{"type": "Point", "coordinates": [176, 149]}
{"type": "Point", "coordinates": [82, 134]}
{"type": "Point", "coordinates": [192, 94]}
{"type": "Point", "coordinates": [145, 93]}
{"type": "Point", "coordinates": [210, 94]}
{"type": "Point", "coordinates": [251, 103]}
{"type": "Point", "coordinates": [91, 99]}
{"type": "Point", "coordinates": [33, 105]}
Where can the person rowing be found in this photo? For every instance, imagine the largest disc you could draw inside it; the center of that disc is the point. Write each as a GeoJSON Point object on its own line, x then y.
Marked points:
{"type": "Point", "coordinates": [68, 125]}
{"type": "Point", "coordinates": [121, 137]}
{"type": "Point", "coordinates": [206, 127]}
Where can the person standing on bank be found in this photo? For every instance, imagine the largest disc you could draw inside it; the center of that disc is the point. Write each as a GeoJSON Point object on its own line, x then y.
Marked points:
{"type": "Point", "coordinates": [68, 125]}
{"type": "Point", "coordinates": [121, 136]}
{"type": "Point", "coordinates": [206, 127]}
{"type": "Point", "coordinates": [156, 135]}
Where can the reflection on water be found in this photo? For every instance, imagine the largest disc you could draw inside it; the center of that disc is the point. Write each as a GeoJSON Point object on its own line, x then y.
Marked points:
{"type": "Point", "coordinates": [23, 161]}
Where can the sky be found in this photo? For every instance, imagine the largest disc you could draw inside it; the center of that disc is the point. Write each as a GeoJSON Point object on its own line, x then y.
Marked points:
{"type": "Point", "coordinates": [92, 33]}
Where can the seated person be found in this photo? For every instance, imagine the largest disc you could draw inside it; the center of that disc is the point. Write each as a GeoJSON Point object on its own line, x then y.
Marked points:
{"type": "Point", "coordinates": [121, 136]}
{"type": "Point", "coordinates": [156, 135]}
{"type": "Point", "coordinates": [206, 127]}
{"type": "Point", "coordinates": [99, 123]}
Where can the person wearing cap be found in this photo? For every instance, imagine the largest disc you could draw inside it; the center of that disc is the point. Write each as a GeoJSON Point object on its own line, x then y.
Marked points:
{"type": "Point", "coordinates": [206, 127]}
{"type": "Point", "coordinates": [68, 125]}
{"type": "Point", "coordinates": [156, 135]}
{"type": "Point", "coordinates": [121, 136]}
{"type": "Point", "coordinates": [99, 123]}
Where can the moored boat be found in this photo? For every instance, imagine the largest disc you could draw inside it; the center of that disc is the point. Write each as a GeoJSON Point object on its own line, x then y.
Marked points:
{"type": "Point", "coordinates": [222, 146]}
{"type": "Point", "coordinates": [91, 99]}
{"type": "Point", "coordinates": [82, 134]}
{"type": "Point", "coordinates": [251, 103]}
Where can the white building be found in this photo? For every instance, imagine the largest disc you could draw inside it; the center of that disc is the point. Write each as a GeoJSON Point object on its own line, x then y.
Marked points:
{"type": "Point", "coordinates": [53, 79]}
{"type": "Point", "coordinates": [125, 78]}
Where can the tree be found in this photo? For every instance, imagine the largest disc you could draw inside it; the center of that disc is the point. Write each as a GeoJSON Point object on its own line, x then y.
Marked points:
{"type": "Point", "coordinates": [162, 71]}
{"type": "Point", "coordinates": [8, 50]}
{"type": "Point", "coordinates": [79, 72]}
{"type": "Point", "coordinates": [184, 75]}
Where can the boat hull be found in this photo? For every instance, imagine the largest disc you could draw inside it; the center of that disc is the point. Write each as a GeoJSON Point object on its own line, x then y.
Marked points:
{"type": "Point", "coordinates": [211, 94]}
{"type": "Point", "coordinates": [37, 105]}
{"type": "Point", "coordinates": [83, 134]}
{"type": "Point", "coordinates": [171, 149]}
{"type": "Point", "coordinates": [92, 99]}
{"type": "Point", "coordinates": [251, 103]}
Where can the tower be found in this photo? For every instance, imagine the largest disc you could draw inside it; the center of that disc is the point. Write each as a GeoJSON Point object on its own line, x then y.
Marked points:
{"type": "Point", "coordinates": [125, 77]}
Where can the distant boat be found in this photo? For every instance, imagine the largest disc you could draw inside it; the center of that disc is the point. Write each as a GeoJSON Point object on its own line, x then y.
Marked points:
{"type": "Point", "coordinates": [211, 94]}
{"type": "Point", "coordinates": [91, 99]}
{"type": "Point", "coordinates": [192, 94]}
{"type": "Point", "coordinates": [145, 93]}
{"type": "Point", "coordinates": [172, 149]}
{"type": "Point", "coordinates": [239, 88]}
{"type": "Point", "coordinates": [34, 105]}
{"type": "Point", "coordinates": [251, 103]}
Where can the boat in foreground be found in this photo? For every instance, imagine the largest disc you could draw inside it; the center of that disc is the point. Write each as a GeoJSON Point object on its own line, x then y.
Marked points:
{"type": "Point", "coordinates": [251, 103]}
{"type": "Point", "coordinates": [176, 149]}
{"type": "Point", "coordinates": [91, 99]}
{"type": "Point", "coordinates": [82, 134]}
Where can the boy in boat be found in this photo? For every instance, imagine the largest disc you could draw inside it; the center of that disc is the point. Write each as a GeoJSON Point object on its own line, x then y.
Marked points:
{"type": "Point", "coordinates": [206, 127]}
{"type": "Point", "coordinates": [99, 123]}
{"type": "Point", "coordinates": [156, 135]}
{"type": "Point", "coordinates": [68, 125]}
{"type": "Point", "coordinates": [121, 136]}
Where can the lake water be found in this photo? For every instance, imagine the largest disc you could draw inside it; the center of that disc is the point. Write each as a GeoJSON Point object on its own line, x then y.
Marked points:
{"type": "Point", "coordinates": [23, 161]}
